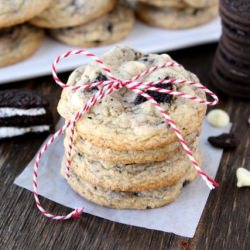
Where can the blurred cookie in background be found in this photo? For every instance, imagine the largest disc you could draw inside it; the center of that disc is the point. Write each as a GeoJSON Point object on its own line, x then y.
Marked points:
{"type": "Point", "coordinates": [163, 3]}
{"type": "Point", "coordinates": [173, 18]}
{"type": "Point", "coordinates": [18, 43]}
{"type": "Point", "coordinates": [108, 29]}
{"type": "Point", "coordinates": [16, 11]}
{"type": "Point", "coordinates": [68, 13]}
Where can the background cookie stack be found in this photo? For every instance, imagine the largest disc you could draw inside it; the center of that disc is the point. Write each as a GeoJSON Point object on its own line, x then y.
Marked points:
{"type": "Point", "coordinates": [124, 153]}
{"type": "Point", "coordinates": [231, 68]}
{"type": "Point", "coordinates": [176, 14]}
{"type": "Point", "coordinates": [81, 23]}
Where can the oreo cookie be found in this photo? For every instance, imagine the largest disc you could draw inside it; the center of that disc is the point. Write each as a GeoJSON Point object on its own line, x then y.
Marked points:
{"type": "Point", "coordinates": [235, 49]}
{"type": "Point", "coordinates": [223, 82]}
{"type": "Point", "coordinates": [237, 11]}
{"type": "Point", "coordinates": [235, 68]}
{"type": "Point", "coordinates": [231, 69]}
{"type": "Point", "coordinates": [23, 112]}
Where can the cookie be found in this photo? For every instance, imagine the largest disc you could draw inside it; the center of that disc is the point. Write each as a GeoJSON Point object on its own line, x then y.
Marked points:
{"type": "Point", "coordinates": [107, 29]}
{"type": "Point", "coordinates": [68, 13]}
{"type": "Point", "coordinates": [201, 3]}
{"type": "Point", "coordinates": [235, 49]}
{"type": "Point", "coordinates": [170, 18]}
{"type": "Point", "coordinates": [227, 85]}
{"type": "Point", "coordinates": [132, 177]}
{"type": "Point", "coordinates": [237, 11]}
{"type": "Point", "coordinates": [129, 156]}
{"type": "Point", "coordinates": [18, 43]}
{"type": "Point", "coordinates": [235, 68]}
{"type": "Point", "coordinates": [235, 31]}
{"type": "Point", "coordinates": [119, 121]}
{"type": "Point", "coordinates": [129, 200]}
{"type": "Point", "coordinates": [23, 112]}
{"type": "Point", "coordinates": [16, 12]}
{"type": "Point", "coordinates": [179, 4]}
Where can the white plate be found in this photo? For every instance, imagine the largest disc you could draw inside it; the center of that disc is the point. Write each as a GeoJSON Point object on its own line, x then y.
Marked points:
{"type": "Point", "coordinates": [145, 38]}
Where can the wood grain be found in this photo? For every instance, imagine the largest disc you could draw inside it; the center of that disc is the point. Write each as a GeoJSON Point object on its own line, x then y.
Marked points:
{"type": "Point", "coordinates": [225, 222]}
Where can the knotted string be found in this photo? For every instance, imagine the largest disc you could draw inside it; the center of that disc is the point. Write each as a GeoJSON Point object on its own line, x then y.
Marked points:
{"type": "Point", "coordinates": [106, 88]}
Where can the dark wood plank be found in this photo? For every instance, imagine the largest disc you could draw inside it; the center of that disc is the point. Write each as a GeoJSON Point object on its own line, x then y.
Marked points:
{"type": "Point", "coordinates": [225, 223]}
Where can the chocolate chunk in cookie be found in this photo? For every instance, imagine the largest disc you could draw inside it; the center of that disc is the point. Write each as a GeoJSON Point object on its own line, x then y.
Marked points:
{"type": "Point", "coordinates": [159, 97]}
{"type": "Point", "coordinates": [225, 141]}
{"type": "Point", "coordinates": [99, 78]}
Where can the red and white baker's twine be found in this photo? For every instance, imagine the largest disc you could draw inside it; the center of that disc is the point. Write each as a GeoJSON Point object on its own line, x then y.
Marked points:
{"type": "Point", "coordinates": [106, 88]}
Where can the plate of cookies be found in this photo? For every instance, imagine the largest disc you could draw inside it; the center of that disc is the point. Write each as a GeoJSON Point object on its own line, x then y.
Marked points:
{"type": "Point", "coordinates": [32, 34]}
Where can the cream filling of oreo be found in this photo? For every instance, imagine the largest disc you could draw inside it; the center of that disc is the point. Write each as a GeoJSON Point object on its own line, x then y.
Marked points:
{"type": "Point", "coordinates": [9, 112]}
{"type": "Point", "coordinates": [6, 132]}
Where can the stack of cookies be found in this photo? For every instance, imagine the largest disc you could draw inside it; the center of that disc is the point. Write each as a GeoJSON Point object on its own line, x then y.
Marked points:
{"type": "Point", "coordinates": [79, 23]}
{"type": "Point", "coordinates": [124, 154]}
{"type": "Point", "coordinates": [231, 68]}
{"type": "Point", "coordinates": [176, 14]}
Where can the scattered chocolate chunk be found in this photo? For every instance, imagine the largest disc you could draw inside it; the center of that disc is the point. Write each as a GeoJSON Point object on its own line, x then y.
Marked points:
{"type": "Point", "coordinates": [159, 97]}
{"type": "Point", "coordinates": [225, 141]}
{"type": "Point", "coordinates": [135, 193]}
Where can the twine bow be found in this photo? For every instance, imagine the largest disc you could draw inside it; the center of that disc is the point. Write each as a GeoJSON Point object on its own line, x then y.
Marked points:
{"type": "Point", "coordinates": [106, 88]}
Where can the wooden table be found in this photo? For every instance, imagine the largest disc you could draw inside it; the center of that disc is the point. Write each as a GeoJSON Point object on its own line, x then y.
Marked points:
{"type": "Point", "coordinates": [225, 222]}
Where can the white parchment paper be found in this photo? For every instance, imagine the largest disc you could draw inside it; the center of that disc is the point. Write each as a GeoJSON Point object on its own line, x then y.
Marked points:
{"type": "Point", "coordinates": [180, 217]}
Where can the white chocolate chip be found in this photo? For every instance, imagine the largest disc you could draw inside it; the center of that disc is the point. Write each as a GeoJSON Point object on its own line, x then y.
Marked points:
{"type": "Point", "coordinates": [76, 101]}
{"type": "Point", "coordinates": [243, 177]}
{"type": "Point", "coordinates": [218, 118]}
{"type": "Point", "coordinates": [132, 68]}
